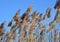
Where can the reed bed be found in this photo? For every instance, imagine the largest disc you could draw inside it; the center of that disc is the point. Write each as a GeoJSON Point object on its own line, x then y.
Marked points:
{"type": "Point", "coordinates": [29, 27]}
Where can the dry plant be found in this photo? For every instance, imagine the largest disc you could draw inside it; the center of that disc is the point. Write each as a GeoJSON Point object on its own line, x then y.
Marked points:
{"type": "Point", "coordinates": [48, 11]}
{"type": "Point", "coordinates": [26, 27]}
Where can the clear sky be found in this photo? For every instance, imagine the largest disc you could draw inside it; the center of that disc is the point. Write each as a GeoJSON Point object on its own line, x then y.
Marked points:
{"type": "Point", "coordinates": [9, 7]}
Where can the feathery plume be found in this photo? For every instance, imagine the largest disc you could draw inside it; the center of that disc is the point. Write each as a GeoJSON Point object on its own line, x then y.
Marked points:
{"type": "Point", "coordinates": [45, 17]}
{"type": "Point", "coordinates": [25, 15]}
{"type": "Point", "coordinates": [34, 15]}
{"type": "Point", "coordinates": [2, 24]}
{"type": "Point", "coordinates": [2, 32]}
{"type": "Point", "coordinates": [38, 18]}
{"type": "Point", "coordinates": [57, 4]}
{"type": "Point", "coordinates": [48, 12]}
{"type": "Point", "coordinates": [16, 15]}
{"type": "Point", "coordinates": [10, 23]}
{"type": "Point", "coordinates": [18, 24]}
{"type": "Point", "coordinates": [29, 8]}
{"type": "Point", "coordinates": [2, 29]}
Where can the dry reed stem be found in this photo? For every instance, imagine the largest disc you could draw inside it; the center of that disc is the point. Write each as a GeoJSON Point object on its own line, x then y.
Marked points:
{"type": "Point", "coordinates": [22, 35]}
{"type": "Point", "coordinates": [9, 38]}
{"type": "Point", "coordinates": [30, 38]}
{"type": "Point", "coordinates": [51, 27]}
{"type": "Point", "coordinates": [26, 24]}
{"type": "Point", "coordinates": [40, 26]}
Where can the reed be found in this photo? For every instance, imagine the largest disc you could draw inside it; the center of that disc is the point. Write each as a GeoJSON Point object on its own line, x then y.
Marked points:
{"type": "Point", "coordinates": [25, 29]}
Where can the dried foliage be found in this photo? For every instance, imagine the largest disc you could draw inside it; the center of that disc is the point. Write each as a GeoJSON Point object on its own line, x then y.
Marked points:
{"type": "Point", "coordinates": [30, 30]}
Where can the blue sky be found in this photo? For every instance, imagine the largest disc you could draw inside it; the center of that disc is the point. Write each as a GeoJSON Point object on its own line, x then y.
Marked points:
{"type": "Point", "coordinates": [9, 7]}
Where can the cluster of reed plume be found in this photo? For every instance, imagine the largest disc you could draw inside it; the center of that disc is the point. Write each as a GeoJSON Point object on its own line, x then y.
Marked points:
{"type": "Point", "coordinates": [28, 27]}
